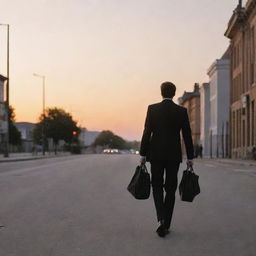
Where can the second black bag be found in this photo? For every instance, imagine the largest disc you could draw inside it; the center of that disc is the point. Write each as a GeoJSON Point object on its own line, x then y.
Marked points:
{"type": "Point", "coordinates": [189, 185]}
{"type": "Point", "coordinates": [139, 185]}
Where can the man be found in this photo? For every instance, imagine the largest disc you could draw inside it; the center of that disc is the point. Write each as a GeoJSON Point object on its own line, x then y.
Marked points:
{"type": "Point", "coordinates": [160, 145]}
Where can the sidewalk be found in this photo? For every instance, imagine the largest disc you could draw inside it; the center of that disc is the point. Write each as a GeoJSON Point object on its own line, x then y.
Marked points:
{"type": "Point", "coordinates": [240, 162]}
{"type": "Point", "coordinates": [14, 157]}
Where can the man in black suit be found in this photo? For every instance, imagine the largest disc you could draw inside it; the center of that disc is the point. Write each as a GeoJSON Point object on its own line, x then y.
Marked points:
{"type": "Point", "coordinates": [161, 146]}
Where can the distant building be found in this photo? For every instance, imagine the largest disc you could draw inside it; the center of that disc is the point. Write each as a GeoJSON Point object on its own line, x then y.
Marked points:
{"type": "Point", "coordinates": [3, 116]}
{"type": "Point", "coordinates": [26, 130]}
{"type": "Point", "coordinates": [87, 138]}
{"type": "Point", "coordinates": [219, 92]}
{"type": "Point", "coordinates": [191, 101]}
{"type": "Point", "coordinates": [242, 34]}
{"type": "Point", "coordinates": [205, 112]}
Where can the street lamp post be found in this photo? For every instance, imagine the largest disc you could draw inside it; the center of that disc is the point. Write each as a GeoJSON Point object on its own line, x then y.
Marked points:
{"type": "Point", "coordinates": [6, 153]}
{"type": "Point", "coordinates": [43, 128]}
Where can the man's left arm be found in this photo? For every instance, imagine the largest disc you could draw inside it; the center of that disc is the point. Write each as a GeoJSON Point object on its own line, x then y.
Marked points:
{"type": "Point", "coordinates": [187, 136]}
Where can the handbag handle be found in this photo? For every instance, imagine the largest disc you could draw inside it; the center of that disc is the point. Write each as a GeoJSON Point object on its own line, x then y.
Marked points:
{"type": "Point", "coordinates": [145, 167]}
{"type": "Point", "coordinates": [190, 169]}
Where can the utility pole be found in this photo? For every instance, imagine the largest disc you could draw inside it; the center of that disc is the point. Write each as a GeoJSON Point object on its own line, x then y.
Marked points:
{"type": "Point", "coordinates": [6, 151]}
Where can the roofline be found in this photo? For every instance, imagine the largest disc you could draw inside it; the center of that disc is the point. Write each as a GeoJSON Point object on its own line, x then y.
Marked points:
{"type": "Point", "coordinates": [188, 97]}
{"type": "Point", "coordinates": [234, 22]}
{"type": "Point", "coordinates": [3, 78]}
{"type": "Point", "coordinates": [239, 15]}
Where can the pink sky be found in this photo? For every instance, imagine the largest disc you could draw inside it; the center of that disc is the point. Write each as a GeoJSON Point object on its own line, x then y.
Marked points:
{"type": "Point", "coordinates": [104, 60]}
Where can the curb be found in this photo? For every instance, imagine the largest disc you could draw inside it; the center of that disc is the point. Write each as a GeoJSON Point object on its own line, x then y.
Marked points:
{"type": "Point", "coordinates": [30, 158]}
{"type": "Point", "coordinates": [238, 163]}
{"type": "Point", "coordinates": [230, 161]}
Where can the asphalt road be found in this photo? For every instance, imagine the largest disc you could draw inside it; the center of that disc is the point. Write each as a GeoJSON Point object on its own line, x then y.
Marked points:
{"type": "Point", "coordinates": [79, 206]}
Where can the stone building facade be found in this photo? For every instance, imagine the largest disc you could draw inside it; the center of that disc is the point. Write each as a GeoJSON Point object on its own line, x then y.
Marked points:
{"type": "Point", "coordinates": [219, 97]}
{"type": "Point", "coordinates": [3, 116]}
{"type": "Point", "coordinates": [205, 110]}
{"type": "Point", "coordinates": [191, 101]}
{"type": "Point", "coordinates": [242, 34]}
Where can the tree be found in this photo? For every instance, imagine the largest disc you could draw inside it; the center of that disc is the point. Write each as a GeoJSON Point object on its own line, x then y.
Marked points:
{"type": "Point", "coordinates": [135, 145]}
{"type": "Point", "coordinates": [108, 138]}
{"type": "Point", "coordinates": [14, 133]}
{"type": "Point", "coordinates": [58, 125]}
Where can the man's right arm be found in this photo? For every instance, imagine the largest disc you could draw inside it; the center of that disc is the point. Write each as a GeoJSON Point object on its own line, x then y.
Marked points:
{"type": "Point", "coordinates": [187, 137]}
{"type": "Point", "coordinates": [145, 141]}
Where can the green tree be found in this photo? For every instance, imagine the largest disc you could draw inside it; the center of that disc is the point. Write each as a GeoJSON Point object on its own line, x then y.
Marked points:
{"type": "Point", "coordinates": [109, 139]}
{"type": "Point", "coordinates": [133, 145]}
{"type": "Point", "coordinates": [58, 125]}
{"type": "Point", "coordinates": [14, 133]}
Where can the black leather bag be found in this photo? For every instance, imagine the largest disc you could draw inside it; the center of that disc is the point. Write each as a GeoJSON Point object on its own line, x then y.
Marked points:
{"type": "Point", "coordinates": [139, 185]}
{"type": "Point", "coordinates": [189, 186]}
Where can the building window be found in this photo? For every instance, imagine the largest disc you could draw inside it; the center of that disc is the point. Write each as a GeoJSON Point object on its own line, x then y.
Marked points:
{"type": "Point", "coordinates": [243, 133]}
{"type": "Point", "coordinates": [234, 57]}
{"type": "Point", "coordinates": [239, 128]}
{"type": "Point", "coordinates": [253, 123]}
{"type": "Point", "coordinates": [252, 73]}
{"type": "Point", "coordinates": [248, 124]}
{"type": "Point", "coordinates": [233, 130]}
{"type": "Point", "coordinates": [239, 84]}
{"type": "Point", "coordinates": [252, 56]}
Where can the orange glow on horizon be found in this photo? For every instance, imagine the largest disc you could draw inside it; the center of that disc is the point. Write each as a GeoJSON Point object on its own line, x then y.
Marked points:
{"type": "Point", "coordinates": [104, 61]}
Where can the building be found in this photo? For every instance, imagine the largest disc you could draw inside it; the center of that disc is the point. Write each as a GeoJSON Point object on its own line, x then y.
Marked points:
{"type": "Point", "coordinates": [26, 131]}
{"type": "Point", "coordinates": [219, 99]}
{"type": "Point", "coordinates": [3, 116]}
{"type": "Point", "coordinates": [205, 110]}
{"type": "Point", "coordinates": [191, 101]}
{"type": "Point", "coordinates": [241, 31]}
{"type": "Point", "coordinates": [87, 138]}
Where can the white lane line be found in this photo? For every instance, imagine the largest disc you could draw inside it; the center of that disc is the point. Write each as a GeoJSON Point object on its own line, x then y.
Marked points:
{"type": "Point", "coordinates": [210, 165]}
{"type": "Point", "coordinates": [242, 170]}
{"type": "Point", "coordinates": [12, 172]}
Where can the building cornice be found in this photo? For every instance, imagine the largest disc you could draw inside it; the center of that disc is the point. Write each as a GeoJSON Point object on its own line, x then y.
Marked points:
{"type": "Point", "coordinates": [187, 96]}
{"type": "Point", "coordinates": [240, 15]}
{"type": "Point", "coordinates": [235, 22]}
{"type": "Point", "coordinates": [249, 7]}
{"type": "Point", "coordinates": [218, 65]}
{"type": "Point", "coordinates": [2, 78]}
{"type": "Point", "coordinates": [212, 68]}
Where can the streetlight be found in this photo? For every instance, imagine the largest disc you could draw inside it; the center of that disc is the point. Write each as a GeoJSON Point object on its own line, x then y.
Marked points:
{"type": "Point", "coordinates": [6, 153]}
{"type": "Point", "coordinates": [43, 128]}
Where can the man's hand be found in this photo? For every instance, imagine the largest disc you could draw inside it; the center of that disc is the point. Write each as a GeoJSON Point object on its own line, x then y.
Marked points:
{"type": "Point", "coordinates": [142, 159]}
{"type": "Point", "coordinates": [190, 163]}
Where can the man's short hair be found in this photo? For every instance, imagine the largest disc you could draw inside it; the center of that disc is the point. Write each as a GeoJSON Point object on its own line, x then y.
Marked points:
{"type": "Point", "coordinates": [168, 89]}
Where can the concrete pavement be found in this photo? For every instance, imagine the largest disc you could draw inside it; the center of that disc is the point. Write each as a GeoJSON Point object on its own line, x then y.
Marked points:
{"type": "Point", "coordinates": [80, 206]}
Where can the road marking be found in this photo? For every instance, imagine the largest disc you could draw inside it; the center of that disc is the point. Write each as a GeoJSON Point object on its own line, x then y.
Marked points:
{"type": "Point", "coordinates": [242, 170]}
{"type": "Point", "coordinates": [210, 165]}
{"type": "Point", "coordinates": [12, 172]}
{"type": "Point", "coordinates": [248, 172]}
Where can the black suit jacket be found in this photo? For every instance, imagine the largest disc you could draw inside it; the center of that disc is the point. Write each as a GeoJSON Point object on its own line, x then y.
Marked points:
{"type": "Point", "coordinates": [161, 136]}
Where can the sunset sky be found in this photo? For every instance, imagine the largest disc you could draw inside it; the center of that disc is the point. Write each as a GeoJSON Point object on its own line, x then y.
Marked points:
{"type": "Point", "coordinates": [104, 60]}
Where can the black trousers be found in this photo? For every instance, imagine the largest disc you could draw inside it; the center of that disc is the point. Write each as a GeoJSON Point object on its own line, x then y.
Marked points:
{"type": "Point", "coordinates": [164, 203]}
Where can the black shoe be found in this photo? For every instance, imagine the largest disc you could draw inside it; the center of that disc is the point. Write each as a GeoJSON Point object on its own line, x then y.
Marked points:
{"type": "Point", "coordinates": [161, 231]}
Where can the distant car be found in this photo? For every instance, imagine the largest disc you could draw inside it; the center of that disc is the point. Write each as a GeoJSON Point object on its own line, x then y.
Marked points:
{"type": "Point", "coordinates": [115, 151]}
{"type": "Point", "coordinates": [133, 151]}
{"type": "Point", "coordinates": [106, 151]}
{"type": "Point", "coordinates": [111, 151]}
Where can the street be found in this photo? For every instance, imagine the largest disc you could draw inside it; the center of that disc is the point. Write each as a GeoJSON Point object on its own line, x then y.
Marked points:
{"type": "Point", "coordinates": [79, 206]}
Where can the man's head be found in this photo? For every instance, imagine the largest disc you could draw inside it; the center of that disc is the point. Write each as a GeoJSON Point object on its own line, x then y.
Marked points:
{"type": "Point", "coordinates": [168, 90]}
